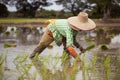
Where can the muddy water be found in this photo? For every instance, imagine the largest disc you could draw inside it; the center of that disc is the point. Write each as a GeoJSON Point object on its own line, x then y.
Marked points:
{"type": "Point", "coordinates": [26, 40]}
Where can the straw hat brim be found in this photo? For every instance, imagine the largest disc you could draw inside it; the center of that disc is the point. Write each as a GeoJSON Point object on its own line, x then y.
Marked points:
{"type": "Point", "coordinates": [77, 24]}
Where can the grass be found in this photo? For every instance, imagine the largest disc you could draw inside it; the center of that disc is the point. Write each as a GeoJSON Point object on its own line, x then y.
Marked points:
{"type": "Point", "coordinates": [22, 20]}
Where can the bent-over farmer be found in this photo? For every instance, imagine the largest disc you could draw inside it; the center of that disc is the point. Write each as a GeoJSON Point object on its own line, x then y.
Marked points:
{"type": "Point", "coordinates": [64, 31]}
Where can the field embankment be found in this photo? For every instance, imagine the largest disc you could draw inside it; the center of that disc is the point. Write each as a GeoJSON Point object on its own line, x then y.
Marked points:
{"type": "Point", "coordinates": [36, 22]}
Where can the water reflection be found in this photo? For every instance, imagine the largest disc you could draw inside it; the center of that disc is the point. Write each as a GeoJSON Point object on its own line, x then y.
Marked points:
{"type": "Point", "coordinates": [106, 34]}
{"type": "Point", "coordinates": [28, 36]}
{"type": "Point", "coordinates": [32, 35]}
{"type": "Point", "coordinates": [102, 37]}
{"type": "Point", "coordinates": [116, 39]}
{"type": "Point", "coordinates": [21, 35]}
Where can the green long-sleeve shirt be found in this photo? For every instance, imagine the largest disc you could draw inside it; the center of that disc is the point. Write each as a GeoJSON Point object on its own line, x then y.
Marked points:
{"type": "Point", "coordinates": [61, 28]}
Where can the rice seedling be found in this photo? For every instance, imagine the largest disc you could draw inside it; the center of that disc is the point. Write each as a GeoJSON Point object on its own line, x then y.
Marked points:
{"type": "Point", "coordinates": [1, 67]}
{"type": "Point", "coordinates": [17, 32]}
{"type": "Point", "coordinates": [23, 67]}
{"type": "Point", "coordinates": [103, 64]}
{"type": "Point", "coordinates": [2, 60]}
{"type": "Point", "coordinates": [75, 68]}
{"type": "Point", "coordinates": [7, 45]}
{"type": "Point", "coordinates": [117, 68]}
{"type": "Point", "coordinates": [107, 67]}
{"type": "Point", "coordinates": [12, 29]}
{"type": "Point", "coordinates": [89, 47]}
{"type": "Point", "coordinates": [49, 67]}
{"type": "Point", "coordinates": [111, 35]}
{"type": "Point", "coordinates": [56, 68]}
{"type": "Point", "coordinates": [83, 67]}
{"type": "Point", "coordinates": [43, 65]}
{"type": "Point", "coordinates": [104, 47]}
{"type": "Point", "coordinates": [94, 61]}
{"type": "Point", "coordinates": [7, 33]}
{"type": "Point", "coordinates": [88, 39]}
{"type": "Point", "coordinates": [89, 69]}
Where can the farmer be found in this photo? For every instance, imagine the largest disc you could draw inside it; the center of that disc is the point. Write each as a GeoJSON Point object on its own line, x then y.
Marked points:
{"type": "Point", "coordinates": [64, 31]}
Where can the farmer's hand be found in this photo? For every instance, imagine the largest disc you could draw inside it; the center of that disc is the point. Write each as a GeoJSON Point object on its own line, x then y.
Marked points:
{"type": "Point", "coordinates": [81, 49]}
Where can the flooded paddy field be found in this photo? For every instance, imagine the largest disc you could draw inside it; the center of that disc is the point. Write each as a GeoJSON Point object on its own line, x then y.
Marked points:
{"type": "Point", "coordinates": [16, 43]}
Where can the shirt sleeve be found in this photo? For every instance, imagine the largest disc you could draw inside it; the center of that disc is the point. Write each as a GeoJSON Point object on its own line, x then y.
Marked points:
{"type": "Point", "coordinates": [69, 38]}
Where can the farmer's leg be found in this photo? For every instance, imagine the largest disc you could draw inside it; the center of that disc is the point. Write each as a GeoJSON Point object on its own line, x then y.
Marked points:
{"type": "Point", "coordinates": [44, 42]}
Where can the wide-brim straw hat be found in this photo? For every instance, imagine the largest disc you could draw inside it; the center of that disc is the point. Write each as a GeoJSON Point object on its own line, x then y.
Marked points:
{"type": "Point", "coordinates": [81, 22]}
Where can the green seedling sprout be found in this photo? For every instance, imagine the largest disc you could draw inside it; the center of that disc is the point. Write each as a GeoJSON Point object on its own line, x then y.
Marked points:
{"type": "Point", "coordinates": [22, 66]}
{"type": "Point", "coordinates": [89, 47]}
{"type": "Point", "coordinates": [104, 47]}
{"type": "Point", "coordinates": [7, 33]}
{"type": "Point", "coordinates": [7, 45]}
{"type": "Point", "coordinates": [107, 68]}
{"type": "Point", "coordinates": [12, 29]}
{"type": "Point", "coordinates": [1, 66]}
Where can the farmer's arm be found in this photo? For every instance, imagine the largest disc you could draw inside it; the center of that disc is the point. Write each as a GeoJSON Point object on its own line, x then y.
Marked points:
{"type": "Point", "coordinates": [69, 45]}
{"type": "Point", "coordinates": [78, 45]}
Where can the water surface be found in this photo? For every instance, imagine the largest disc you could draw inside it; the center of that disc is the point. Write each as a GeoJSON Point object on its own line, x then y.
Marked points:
{"type": "Point", "coordinates": [27, 38]}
